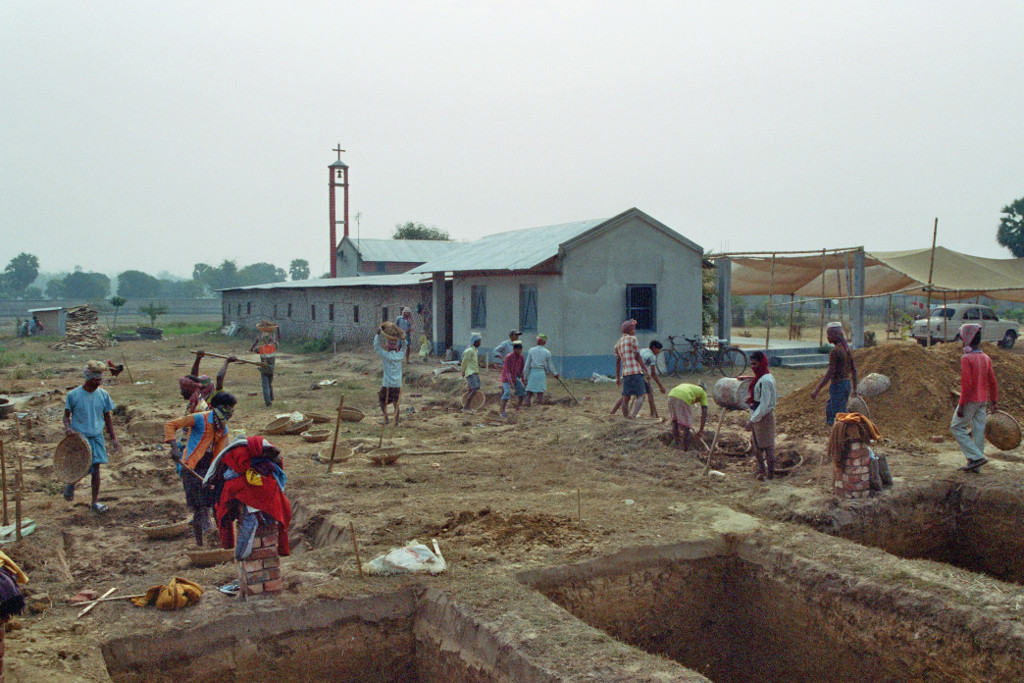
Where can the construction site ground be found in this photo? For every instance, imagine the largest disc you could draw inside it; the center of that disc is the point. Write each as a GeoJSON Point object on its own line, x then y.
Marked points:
{"type": "Point", "coordinates": [512, 501]}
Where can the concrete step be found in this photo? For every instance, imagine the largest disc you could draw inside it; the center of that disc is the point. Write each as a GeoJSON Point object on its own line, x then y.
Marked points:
{"type": "Point", "coordinates": [803, 360]}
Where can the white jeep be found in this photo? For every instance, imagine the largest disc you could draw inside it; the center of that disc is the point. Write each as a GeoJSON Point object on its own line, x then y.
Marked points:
{"type": "Point", "coordinates": [944, 325]}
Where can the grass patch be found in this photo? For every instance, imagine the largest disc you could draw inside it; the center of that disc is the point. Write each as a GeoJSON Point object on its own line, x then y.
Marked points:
{"type": "Point", "coordinates": [181, 328]}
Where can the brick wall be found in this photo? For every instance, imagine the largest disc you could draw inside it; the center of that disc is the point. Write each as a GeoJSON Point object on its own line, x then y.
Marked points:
{"type": "Point", "coordinates": [260, 575]}
{"type": "Point", "coordinates": [247, 307]}
{"type": "Point", "coordinates": [853, 479]}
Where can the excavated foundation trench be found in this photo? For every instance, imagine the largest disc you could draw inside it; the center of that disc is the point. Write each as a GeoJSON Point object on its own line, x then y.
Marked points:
{"type": "Point", "coordinates": [415, 635]}
{"type": "Point", "coordinates": [969, 526]}
{"type": "Point", "coordinates": [766, 617]}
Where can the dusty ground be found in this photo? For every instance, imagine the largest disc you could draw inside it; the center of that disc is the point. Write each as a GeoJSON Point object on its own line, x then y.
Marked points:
{"type": "Point", "coordinates": [553, 485]}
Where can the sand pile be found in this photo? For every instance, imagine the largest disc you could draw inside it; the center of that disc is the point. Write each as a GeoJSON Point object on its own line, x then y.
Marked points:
{"type": "Point", "coordinates": [919, 403]}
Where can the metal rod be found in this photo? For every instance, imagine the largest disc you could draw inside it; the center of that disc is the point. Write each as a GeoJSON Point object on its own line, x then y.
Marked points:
{"type": "Point", "coordinates": [821, 329]}
{"type": "Point", "coordinates": [771, 283]}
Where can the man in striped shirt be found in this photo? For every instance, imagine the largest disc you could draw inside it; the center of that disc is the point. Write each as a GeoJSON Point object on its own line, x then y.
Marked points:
{"type": "Point", "coordinates": [630, 370]}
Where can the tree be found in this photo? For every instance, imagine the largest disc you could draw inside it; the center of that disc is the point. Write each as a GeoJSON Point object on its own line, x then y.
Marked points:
{"type": "Point", "coordinates": [1011, 228]}
{"type": "Point", "coordinates": [33, 293]}
{"type": "Point", "coordinates": [21, 272]}
{"type": "Point", "coordinates": [134, 284]}
{"type": "Point", "coordinates": [182, 289]}
{"type": "Point", "coordinates": [153, 311]}
{"type": "Point", "coordinates": [260, 273]}
{"type": "Point", "coordinates": [117, 302]}
{"type": "Point", "coordinates": [221, 277]}
{"type": "Point", "coordinates": [82, 285]}
{"type": "Point", "coordinates": [299, 269]}
{"type": "Point", "coordinates": [55, 287]}
{"type": "Point", "coordinates": [418, 231]}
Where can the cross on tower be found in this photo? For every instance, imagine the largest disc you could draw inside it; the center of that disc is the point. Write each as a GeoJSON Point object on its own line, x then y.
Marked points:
{"type": "Point", "coordinates": [339, 150]}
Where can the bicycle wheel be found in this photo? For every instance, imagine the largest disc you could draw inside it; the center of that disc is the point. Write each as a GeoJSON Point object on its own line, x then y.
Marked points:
{"type": "Point", "coordinates": [668, 361]}
{"type": "Point", "coordinates": [687, 363]}
{"type": "Point", "coordinates": [732, 362]}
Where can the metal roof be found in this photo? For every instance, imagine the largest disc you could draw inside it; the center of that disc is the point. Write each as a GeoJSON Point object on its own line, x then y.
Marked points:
{"type": "Point", "coordinates": [514, 250]}
{"type": "Point", "coordinates": [525, 249]}
{"type": "Point", "coordinates": [43, 310]}
{"type": "Point", "coordinates": [403, 251]}
{"type": "Point", "coordinates": [397, 280]}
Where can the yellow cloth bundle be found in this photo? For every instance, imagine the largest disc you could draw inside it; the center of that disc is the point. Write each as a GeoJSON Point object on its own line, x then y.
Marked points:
{"type": "Point", "coordinates": [19, 576]}
{"type": "Point", "coordinates": [176, 595]}
{"type": "Point", "coordinates": [253, 477]}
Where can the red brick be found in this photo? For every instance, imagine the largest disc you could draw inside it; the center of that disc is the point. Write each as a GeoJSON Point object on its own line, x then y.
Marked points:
{"type": "Point", "coordinates": [273, 574]}
{"type": "Point", "coordinates": [252, 588]}
{"type": "Point", "coordinates": [252, 565]}
{"type": "Point", "coordinates": [273, 586]}
{"type": "Point", "coordinates": [263, 553]}
{"type": "Point", "coordinates": [272, 562]}
{"type": "Point", "coordinates": [856, 470]}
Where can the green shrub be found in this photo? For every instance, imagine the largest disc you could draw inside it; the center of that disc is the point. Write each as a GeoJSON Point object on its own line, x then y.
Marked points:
{"type": "Point", "coordinates": [321, 344]}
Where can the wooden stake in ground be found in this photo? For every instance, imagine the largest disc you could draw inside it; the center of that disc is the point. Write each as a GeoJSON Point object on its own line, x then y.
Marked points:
{"type": "Point", "coordinates": [931, 269]}
{"type": "Point", "coordinates": [3, 481]}
{"type": "Point", "coordinates": [94, 603]}
{"type": "Point", "coordinates": [17, 500]}
{"type": "Point", "coordinates": [579, 508]}
{"type": "Point", "coordinates": [714, 442]}
{"type": "Point", "coordinates": [127, 369]}
{"type": "Point", "coordinates": [355, 548]}
{"type": "Point", "coordinates": [337, 428]}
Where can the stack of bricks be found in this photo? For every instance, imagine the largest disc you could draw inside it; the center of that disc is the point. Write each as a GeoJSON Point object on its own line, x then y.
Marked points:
{"type": "Point", "coordinates": [853, 480]}
{"type": "Point", "coordinates": [260, 574]}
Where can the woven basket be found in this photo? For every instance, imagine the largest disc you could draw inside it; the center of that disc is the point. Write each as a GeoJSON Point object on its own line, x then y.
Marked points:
{"type": "Point", "coordinates": [161, 529]}
{"type": "Point", "coordinates": [351, 414]}
{"type": "Point", "coordinates": [873, 385]}
{"type": "Point", "coordinates": [298, 427]}
{"type": "Point", "coordinates": [1002, 430]}
{"type": "Point", "coordinates": [858, 405]}
{"type": "Point", "coordinates": [318, 418]}
{"type": "Point", "coordinates": [72, 458]}
{"type": "Point", "coordinates": [478, 401]}
{"type": "Point", "coordinates": [266, 326]}
{"type": "Point", "coordinates": [208, 558]}
{"type": "Point", "coordinates": [316, 435]}
{"type": "Point", "coordinates": [383, 456]}
{"type": "Point", "coordinates": [392, 331]}
{"type": "Point", "coordinates": [278, 426]}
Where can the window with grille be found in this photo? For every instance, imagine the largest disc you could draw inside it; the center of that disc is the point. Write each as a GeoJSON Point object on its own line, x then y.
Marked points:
{"type": "Point", "coordinates": [528, 308]}
{"type": "Point", "coordinates": [355, 314]}
{"type": "Point", "coordinates": [641, 305]}
{"type": "Point", "coordinates": [330, 312]}
{"type": "Point", "coordinates": [478, 306]}
{"type": "Point", "coordinates": [312, 312]}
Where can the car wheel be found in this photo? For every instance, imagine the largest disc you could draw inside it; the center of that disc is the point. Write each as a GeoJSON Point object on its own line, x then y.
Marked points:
{"type": "Point", "coordinates": [922, 342]}
{"type": "Point", "coordinates": [1009, 339]}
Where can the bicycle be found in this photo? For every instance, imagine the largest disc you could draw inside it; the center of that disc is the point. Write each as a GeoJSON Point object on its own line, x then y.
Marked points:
{"type": "Point", "coordinates": [730, 360]}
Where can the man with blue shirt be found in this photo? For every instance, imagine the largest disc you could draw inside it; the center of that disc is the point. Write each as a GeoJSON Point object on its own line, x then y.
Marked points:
{"type": "Point", "coordinates": [391, 356]}
{"type": "Point", "coordinates": [87, 411]}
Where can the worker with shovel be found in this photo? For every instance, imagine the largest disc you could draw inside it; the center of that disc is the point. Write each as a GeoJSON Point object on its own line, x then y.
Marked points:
{"type": "Point", "coordinates": [197, 389]}
{"type": "Point", "coordinates": [681, 399]}
{"type": "Point", "coordinates": [630, 371]}
{"type": "Point", "coordinates": [538, 365]}
{"type": "Point", "coordinates": [87, 410]}
{"type": "Point", "coordinates": [391, 354]}
{"type": "Point", "coordinates": [512, 377]}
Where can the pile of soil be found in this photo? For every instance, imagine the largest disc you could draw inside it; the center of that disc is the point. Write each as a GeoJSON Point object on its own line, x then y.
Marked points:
{"type": "Point", "coordinates": [920, 402]}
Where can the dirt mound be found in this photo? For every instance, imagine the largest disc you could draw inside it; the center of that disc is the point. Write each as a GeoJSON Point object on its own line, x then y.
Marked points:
{"type": "Point", "coordinates": [920, 401]}
{"type": "Point", "coordinates": [494, 529]}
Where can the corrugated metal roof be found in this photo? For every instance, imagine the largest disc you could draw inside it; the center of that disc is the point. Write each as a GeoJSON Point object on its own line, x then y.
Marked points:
{"type": "Point", "coordinates": [43, 310]}
{"type": "Point", "coordinates": [397, 280]}
{"type": "Point", "coordinates": [515, 250]}
{"type": "Point", "coordinates": [404, 251]}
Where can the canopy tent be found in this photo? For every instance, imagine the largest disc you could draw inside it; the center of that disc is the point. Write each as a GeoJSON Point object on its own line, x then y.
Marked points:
{"type": "Point", "coordinates": [855, 274]}
{"type": "Point", "coordinates": [955, 275]}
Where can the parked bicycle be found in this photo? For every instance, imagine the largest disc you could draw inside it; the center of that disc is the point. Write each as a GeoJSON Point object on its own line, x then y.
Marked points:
{"type": "Point", "coordinates": [730, 360]}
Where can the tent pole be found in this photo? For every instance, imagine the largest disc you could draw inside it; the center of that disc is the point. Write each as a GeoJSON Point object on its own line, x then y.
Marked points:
{"type": "Point", "coordinates": [931, 269]}
{"type": "Point", "coordinates": [821, 329]}
{"type": "Point", "coordinates": [839, 295]}
{"type": "Point", "coordinates": [889, 318]}
{"type": "Point", "coordinates": [771, 283]}
{"type": "Point", "coordinates": [945, 329]}
{"type": "Point", "coordinates": [791, 297]}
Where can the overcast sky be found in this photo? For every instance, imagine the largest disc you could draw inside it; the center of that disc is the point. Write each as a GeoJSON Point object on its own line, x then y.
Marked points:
{"type": "Point", "coordinates": [153, 135]}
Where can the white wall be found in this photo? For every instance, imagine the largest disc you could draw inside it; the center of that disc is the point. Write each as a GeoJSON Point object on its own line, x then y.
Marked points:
{"type": "Point", "coordinates": [503, 309]}
{"type": "Point", "coordinates": [597, 271]}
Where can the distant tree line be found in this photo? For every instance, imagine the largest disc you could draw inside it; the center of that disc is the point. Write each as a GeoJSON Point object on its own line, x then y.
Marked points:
{"type": "Point", "coordinates": [17, 278]}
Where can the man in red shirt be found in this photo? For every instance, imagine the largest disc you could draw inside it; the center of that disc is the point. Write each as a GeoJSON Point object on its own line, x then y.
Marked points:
{"type": "Point", "coordinates": [977, 388]}
{"type": "Point", "coordinates": [512, 376]}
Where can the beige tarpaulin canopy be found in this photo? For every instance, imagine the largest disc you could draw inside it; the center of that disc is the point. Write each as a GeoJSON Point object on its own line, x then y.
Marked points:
{"type": "Point", "coordinates": [956, 275]}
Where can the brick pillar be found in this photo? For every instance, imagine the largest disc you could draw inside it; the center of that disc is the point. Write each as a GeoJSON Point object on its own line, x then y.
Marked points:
{"type": "Point", "coordinates": [260, 575]}
{"type": "Point", "coordinates": [853, 480]}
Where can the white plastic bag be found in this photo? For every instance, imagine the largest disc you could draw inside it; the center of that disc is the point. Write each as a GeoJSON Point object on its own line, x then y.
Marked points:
{"type": "Point", "coordinates": [598, 377]}
{"type": "Point", "coordinates": [414, 558]}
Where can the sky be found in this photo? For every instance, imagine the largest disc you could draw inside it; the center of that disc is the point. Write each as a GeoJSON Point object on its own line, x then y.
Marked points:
{"type": "Point", "coordinates": [155, 135]}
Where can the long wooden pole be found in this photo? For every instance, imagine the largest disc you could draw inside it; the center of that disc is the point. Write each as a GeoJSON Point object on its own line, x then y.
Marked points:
{"type": "Point", "coordinates": [931, 271]}
{"type": "Point", "coordinates": [771, 283]}
{"type": "Point", "coordinates": [355, 548]}
{"type": "Point", "coordinates": [791, 297]}
{"type": "Point", "coordinates": [17, 500]}
{"type": "Point", "coordinates": [337, 428]}
{"type": "Point", "coordinates": [714, 442]}
{"type": "Point", "coordinates": [94, 603]}
{"type": "Point", "coordinates": [3, 480]}
{"type": "Point", "coordinates": [821, 329]}
{"type": "Point", "coordinates": [127, 369]}
{"type": "Point", "coordinates": [237, 360]}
